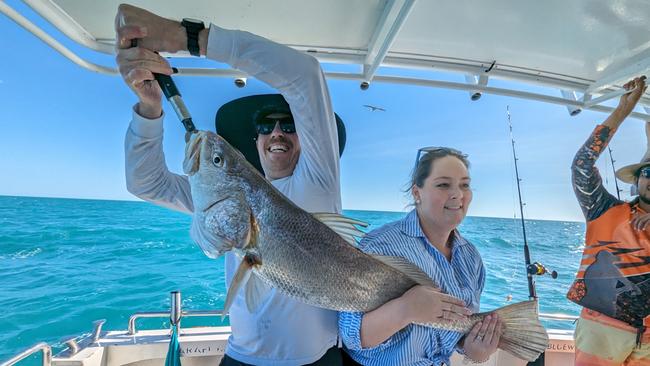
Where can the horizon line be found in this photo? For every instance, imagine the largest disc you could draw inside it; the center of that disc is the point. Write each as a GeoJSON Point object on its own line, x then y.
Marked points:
{"type": "Point", "coordinates": [138, 200]}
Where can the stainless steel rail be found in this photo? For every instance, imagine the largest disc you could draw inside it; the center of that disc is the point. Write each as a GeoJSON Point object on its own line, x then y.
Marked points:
{"type": "Point", "coordinates": [44, 347]}
{"type": "Point", "coordinates": [132, 328]}
{"type": "Point", "coordinates": [566, 317]}
{"type": "Point", "coordinates": [175, 313]}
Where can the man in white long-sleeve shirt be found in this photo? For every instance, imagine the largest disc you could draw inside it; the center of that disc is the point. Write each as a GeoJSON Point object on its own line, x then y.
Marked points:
{"type": "Point", "coordinates": [304, 165]}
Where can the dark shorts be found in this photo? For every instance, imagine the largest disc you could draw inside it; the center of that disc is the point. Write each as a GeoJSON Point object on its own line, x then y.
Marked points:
{"type": "Point", "coordinates": [334, 357]}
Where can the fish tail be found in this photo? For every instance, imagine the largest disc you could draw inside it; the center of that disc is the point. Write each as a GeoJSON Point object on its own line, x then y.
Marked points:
{"type": "Point", "coordinates": [523, 335]}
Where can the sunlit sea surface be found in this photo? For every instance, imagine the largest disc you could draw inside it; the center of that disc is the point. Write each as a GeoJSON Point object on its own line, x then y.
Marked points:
{"type": "Point", "coordinates": [65, 263]}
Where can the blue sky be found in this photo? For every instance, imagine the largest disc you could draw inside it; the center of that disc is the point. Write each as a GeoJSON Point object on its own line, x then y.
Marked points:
{"type": "Point", "coordinates": [62, 129]}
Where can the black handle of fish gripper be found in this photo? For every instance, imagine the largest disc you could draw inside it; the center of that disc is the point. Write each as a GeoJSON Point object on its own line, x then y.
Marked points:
{"type": "Point", "coordinates": [174, 97]}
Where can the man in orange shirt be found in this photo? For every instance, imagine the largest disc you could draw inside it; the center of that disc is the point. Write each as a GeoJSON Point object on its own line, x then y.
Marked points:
{"type": "Point", "coordinates": [613, 282]}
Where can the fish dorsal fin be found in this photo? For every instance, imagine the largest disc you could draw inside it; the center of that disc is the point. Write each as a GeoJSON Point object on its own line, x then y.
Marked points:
{"type": "Point", "coordinates": [256, 292]}
{"type": "Point", "coordinates": [344, 226]}
{"type": "Point", "coordinates": [409, 269]}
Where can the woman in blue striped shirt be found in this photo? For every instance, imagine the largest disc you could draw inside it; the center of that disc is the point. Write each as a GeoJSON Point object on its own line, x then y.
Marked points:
{"type": "Point", "coordinates": [427, 236]}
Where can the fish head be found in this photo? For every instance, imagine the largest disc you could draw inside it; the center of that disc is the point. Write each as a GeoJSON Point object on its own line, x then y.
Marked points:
{"type": "Point", "coordinates": [219, 176]}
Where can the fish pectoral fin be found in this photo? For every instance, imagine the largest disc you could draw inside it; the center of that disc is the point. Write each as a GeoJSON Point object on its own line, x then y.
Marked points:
{"type": "Point", "coordinates": [344, 226]}
{"type": "Point", "coordinates": [256, 292]}
{"type": "Point", "coordinates": [253, 234]}
{"type": "Point", "coordinates": [245, 276]}
{"type": "Point", "coordinates": [409, 269]}
{"type": "Point", "coordinates": [239, 279]}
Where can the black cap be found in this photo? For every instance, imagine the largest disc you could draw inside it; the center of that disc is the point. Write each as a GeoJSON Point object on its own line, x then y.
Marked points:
{"type": "Point", "coordinates": [235, 122]}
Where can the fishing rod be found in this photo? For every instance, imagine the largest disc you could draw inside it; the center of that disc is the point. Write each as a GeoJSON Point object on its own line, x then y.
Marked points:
{"type": "Point", "coordinates": [618, 190]}
{"type": "Point", "coordinates": [532, 269]}
{"type": "Point", "coordinates": [536, 268]}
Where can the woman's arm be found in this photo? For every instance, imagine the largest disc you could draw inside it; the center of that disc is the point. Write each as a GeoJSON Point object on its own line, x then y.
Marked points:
{"type": "Point", "coordinates": [420, 304]}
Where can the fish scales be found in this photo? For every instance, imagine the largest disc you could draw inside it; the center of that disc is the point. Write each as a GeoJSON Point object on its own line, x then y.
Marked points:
{"type": "Point", "coordinates": [306, 259]}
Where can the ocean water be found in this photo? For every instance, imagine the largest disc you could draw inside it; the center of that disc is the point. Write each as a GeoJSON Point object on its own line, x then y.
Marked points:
{"type": "Point", "coordinates": [65, 263]}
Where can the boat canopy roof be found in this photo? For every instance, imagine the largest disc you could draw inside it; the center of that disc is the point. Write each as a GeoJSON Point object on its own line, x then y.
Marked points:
{"type": "Point", "coordinates": [584, 50]}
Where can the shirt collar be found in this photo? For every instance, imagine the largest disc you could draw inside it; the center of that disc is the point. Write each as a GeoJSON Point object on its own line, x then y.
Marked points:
{"type": "Point", "coordinates": [411, 227]}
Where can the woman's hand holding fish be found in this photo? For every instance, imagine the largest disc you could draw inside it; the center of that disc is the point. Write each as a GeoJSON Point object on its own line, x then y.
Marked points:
{"type": "Point", "coordinates": [427, 305]}
{"type": "Point", "coordinates": [420, 304]}
{"type": "Point", "coordinates": [483, 339]}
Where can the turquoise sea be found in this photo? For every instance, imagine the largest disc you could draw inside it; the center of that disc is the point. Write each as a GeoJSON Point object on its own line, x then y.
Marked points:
{"type": "Point", "coordinates": [65, 263]}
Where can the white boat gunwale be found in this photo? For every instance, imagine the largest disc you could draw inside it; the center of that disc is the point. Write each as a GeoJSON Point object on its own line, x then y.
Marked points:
{"type": "Point", "coordinates": [199, 341]}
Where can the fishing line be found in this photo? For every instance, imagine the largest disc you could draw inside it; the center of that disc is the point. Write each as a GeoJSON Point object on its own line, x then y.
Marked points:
{"type": "Point", "coordinates": [611, 158]}
{"type": "Point", "coordinates": [532, 294]}
{"type": "Point", "coordinates": [536, 268]}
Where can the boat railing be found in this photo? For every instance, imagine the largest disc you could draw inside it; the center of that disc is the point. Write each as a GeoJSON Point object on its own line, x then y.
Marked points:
{"type": "Point", "coordinates": [43, 347]}
{"type": "Point", "coordinates": [566, 317]}
{"type": "Point", "coordinates": [175, 315]}
{"type": "Point", "coordinates": [132, 326]}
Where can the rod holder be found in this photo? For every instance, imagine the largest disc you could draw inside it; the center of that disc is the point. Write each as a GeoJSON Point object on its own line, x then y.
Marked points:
{"type": "Point", "coordinates": [176, 311]}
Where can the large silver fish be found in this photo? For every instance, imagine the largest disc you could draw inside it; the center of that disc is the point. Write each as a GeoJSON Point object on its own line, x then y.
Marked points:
{"type": "Point", "coordinates": [308, 256]}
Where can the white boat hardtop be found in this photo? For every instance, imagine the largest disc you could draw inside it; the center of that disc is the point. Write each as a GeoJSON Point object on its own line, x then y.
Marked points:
{"type": "Point", "coordinates": [583, 49]}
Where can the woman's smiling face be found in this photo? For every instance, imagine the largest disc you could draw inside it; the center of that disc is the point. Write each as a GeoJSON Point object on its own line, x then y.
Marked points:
{"type": "Point", "coordinates": [445, 195]}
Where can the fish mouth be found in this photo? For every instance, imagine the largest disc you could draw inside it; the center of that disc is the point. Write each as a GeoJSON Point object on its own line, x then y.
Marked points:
{"type": "Point", "coordinates": [193, 153]}
{"type": "Point", "coordinates": [215, 203]}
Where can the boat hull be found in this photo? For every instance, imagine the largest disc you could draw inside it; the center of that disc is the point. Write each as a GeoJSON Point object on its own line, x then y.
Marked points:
{"type": "Point", "coordinates": [207, 345]}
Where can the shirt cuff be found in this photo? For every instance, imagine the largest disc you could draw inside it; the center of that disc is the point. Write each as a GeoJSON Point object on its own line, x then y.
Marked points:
{"type": "Point", "coordinates": [145, 127]}
{"type": "Point", "coordinates": [220, 44]}
{"type": "Point", "coordinates": [350, 330]}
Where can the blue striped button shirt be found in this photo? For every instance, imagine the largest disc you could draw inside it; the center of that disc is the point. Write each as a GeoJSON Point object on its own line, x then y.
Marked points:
{"type": "Point", "coordinates": [463, 277]}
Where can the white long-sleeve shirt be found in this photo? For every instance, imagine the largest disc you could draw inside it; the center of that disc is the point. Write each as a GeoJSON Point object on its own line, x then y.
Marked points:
{"type": "Point", "coordinates": [283, 331]}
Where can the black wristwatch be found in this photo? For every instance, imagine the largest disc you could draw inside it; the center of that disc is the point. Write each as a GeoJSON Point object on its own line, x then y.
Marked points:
{"type": "Point", "coordinates": [192, 28]}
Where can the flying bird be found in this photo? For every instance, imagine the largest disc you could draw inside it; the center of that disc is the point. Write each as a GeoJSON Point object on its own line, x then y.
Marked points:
{"type": "Point", "coordinates": [374, 108]}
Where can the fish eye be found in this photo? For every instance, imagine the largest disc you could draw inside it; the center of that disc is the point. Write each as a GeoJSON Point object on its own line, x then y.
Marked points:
{"type": "Point", "coordinates": [217, 160]}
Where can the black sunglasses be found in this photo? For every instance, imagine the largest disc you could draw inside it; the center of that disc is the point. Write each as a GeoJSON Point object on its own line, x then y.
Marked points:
{"type": "Point", "coordinates": [266, 125]}
{"type": "Point", "coordinates": [645, 172]}
{"type": "Point", "coordinates": [430, 149]}
{"type": "Point", "coordinates": [267, 128]}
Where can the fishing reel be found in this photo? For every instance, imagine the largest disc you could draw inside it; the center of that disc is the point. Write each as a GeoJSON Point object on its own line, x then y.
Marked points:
{"type": "Point", "coordinates": [538, 269]}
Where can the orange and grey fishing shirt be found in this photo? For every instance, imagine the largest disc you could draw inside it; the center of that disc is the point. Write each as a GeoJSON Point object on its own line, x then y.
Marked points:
{"type": "Point", "coordinates": [614, 272]}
